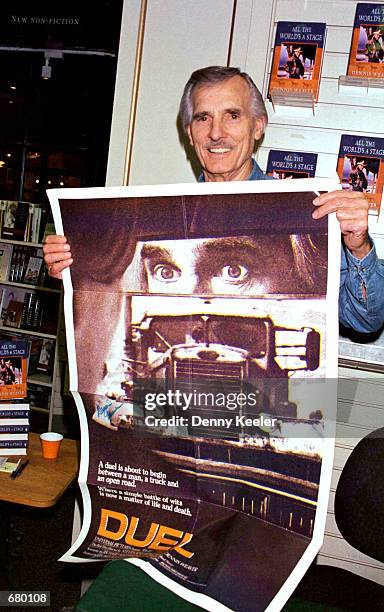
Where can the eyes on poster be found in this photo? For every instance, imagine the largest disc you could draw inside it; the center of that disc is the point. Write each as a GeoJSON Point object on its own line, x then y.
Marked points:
{"type": "Point", "coordinates": [199, 326]}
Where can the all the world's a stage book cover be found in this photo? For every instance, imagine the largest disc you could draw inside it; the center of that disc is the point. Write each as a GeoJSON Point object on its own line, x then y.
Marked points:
{"type": "Point", "coordinates": [360, 166]}
{"type": "Point", "coordinates": [297, 59]}
{"type": "Point", "coordinates": [366, 57]}
{"type": "Point", "coordinates": [13, 369]}
{"type": "Point", "coordinates": [291, 164]}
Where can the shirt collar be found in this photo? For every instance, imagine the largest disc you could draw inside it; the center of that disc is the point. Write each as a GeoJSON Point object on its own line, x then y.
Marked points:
{"type": "Point", "coordinates": [255, 175]}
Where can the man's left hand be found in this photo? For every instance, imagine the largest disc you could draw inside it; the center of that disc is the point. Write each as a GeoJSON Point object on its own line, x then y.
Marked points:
{"type": "Point", "coordinates": [351, 208]}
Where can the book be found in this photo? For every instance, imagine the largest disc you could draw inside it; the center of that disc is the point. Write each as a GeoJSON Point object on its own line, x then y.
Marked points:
{"type": "Point", "coordinates": [13, 369]}
{"type": "Point", "coordinates": [12, 306]}
{"type": "Point", "coordinates": [366, 56]}
{"type": "Point", "coordinates": [297, 59]}
{"type": "Point", "coordinates": [9, 208]}
{"type": "Point", "coordinates": [35, 345]}
{"type": "Point", "coordinates": [9, 426]}
{"type": "Point", "coordinates": [14, 413]}
{"type": "Point", "coordinates": [14, 429]}
{"type": "Point", "coordinates": [46, 357]}
{"type": "Point", "coordinates": [291, 164]}
{"type": "Point", "coordinates": [19, 447]}
{"type": "Point", "coordinates": [9, 465]}
{"type": "Point", "coordinates": [15, 220]}
{"type": "Point", "coordinates": [32, 270]}
{"type": "Point", "coordinates": [360, 167]}
{"type": "Point", "coordinates": [5, 260]}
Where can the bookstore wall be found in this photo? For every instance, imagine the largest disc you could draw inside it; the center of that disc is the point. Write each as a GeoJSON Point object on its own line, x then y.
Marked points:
{"type": "Point", "coordinates": [172, 49]}
{"type": "Point", "coordinates": [340, 110]}
{"type": "Point", "coordinates": [55, 133]}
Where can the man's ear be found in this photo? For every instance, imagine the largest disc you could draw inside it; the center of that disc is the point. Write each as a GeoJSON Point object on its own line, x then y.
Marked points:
{"type": "Point", "coordinates": [260, 125]}
{"type": "Point", "coordinates": [190, 136]}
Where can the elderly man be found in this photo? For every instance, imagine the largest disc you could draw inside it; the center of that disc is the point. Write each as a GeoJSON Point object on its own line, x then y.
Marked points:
{"type": "Point", "coordinates": [223, 113]}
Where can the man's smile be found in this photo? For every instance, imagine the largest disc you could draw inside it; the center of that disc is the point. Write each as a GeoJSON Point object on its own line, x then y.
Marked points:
{"type": "Point", "coordinates": [218, 150]}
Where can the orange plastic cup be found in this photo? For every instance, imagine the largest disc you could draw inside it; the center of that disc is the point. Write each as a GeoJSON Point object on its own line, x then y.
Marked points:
{"type": "Point", "coordinates": [50, 444]}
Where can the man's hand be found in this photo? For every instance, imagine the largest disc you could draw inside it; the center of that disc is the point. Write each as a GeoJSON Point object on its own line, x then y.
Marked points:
{"type": "Point", "coordinates": [57, 255]}
{"type": "Point", "coordinates": [351, 208]}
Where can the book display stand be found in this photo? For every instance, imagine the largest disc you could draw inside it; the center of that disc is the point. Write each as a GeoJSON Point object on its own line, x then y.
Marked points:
{"type": "Point", "coordinates": [280, 98]}
{"type": "Point", "coordinates": [363, 85]}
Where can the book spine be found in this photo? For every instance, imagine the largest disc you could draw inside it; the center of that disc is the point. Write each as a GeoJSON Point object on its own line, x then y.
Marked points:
{"type": "Point", "coordinates": [27, 306]}
{"type": "Point", "coordinates": [14, 414]}
{"type": "Point", "coordinates": [14, 263]}
{"type": "Point", "coordinates": [13, 451]}
{"type": "Point", "coordinates": [13, 429]}
{"type": "Point", "coordinates": [14, 443]}
{"type": "Point", "coordinates": [18, 422]}
{"type": "Point", "coordinates": [13, 437]}
{"type": "Point", "coordinates": [37, 312]}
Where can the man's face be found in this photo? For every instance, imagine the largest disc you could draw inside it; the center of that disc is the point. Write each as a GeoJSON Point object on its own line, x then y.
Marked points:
{"type": "Point", "coordinates": [220, 266]}
{"type": "Point", "coordinates": [223, 130]}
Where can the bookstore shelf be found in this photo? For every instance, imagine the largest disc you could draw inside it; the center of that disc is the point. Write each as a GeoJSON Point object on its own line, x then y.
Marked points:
{"type": "Point", "coordinates": [25, 286]}
{"type": "Point", "coordinates": [363, 85]}
{"type": "Point", "coordinates": [37, 245]}
{"type": "Point", "coordinates": [27, 332]}
{"type": "Point", "coordinates": [30, 306]}
{"type": "Point", "coordinates": [38, 378]}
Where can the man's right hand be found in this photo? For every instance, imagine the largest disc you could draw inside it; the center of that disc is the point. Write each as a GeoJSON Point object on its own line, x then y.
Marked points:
{"type": "Point", "coordinates": [57, 255]}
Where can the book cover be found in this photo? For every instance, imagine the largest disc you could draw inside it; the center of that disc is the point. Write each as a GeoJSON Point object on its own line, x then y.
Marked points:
{"type": "Point", "coordinates": [46, 357]}
{"type": "Point", "coordinates": [297, 59]}
{"type": "Point", "coordinates": [13, 370]}
{"type": "Point", "coordinates": [15, 220]}
{"type": "Point", "coordinates": [366, 56]}
{"type": "Point", "coordinates": [9, 208]}
{"type": "Point", "coordinates": [12, 306]}
{"type": "Point", "coordinates": [291, 164]}
{"type": "Point", "coordinates": [35, 345]}
{"type": "Point", "coordinates": [5, 260]}
{"type": "Point", "coordinates": [32, 271]}
{"type": "Point", "coordinates": [360, 167]}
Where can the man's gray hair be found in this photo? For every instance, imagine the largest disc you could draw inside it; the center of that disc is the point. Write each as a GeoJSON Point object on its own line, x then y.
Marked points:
{"type": "Point", "coordinates": [217, 74]}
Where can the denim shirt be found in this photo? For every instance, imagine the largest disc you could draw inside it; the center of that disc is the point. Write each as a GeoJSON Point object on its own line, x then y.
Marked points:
{"type": "Point", "coordinates": [361, 296]}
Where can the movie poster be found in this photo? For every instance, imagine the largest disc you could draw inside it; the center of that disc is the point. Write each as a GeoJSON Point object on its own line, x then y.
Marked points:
{"type": "Point", "coordinates": [360, 167]}
{"type": "Point", "coordinates": [201, 325]}
{"type": "Point", "coordinates": [297, 59]}
{"type": "Point", "coordinates": [366, 56]}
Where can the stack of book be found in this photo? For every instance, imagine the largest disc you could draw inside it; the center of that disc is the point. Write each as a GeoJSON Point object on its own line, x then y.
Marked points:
{"type": "Point", "coordinates": [14, 427]}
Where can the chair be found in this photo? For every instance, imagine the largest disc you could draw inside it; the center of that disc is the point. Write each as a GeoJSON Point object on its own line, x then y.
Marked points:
{"type": "Point", "coordinates": [359, 513]}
